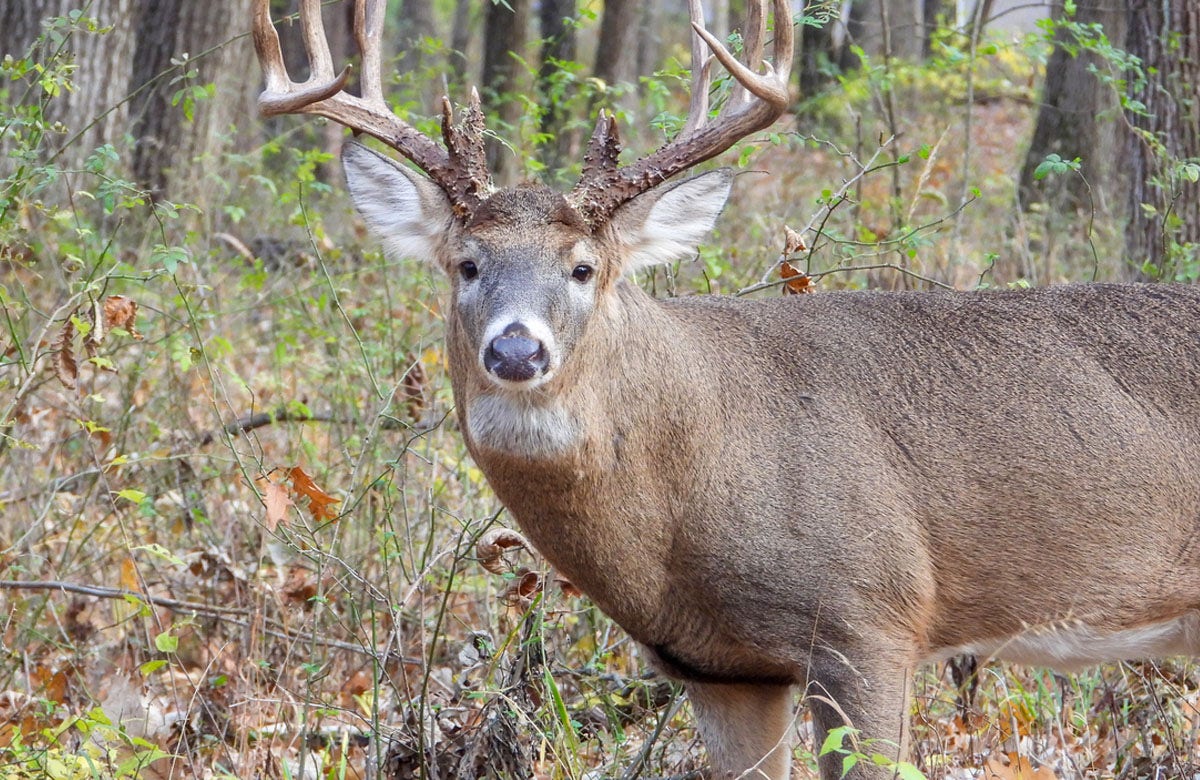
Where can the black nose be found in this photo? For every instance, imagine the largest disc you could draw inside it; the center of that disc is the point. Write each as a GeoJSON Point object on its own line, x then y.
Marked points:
{"type": "Point", "coordinates": [515, 355]}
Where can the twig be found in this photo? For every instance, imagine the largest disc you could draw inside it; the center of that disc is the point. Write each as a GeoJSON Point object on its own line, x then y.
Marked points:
{"type": "Point", "coordinates": [225, 614]}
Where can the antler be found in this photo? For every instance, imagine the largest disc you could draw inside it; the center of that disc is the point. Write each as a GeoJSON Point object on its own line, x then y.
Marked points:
{"type": "Point", "coordinates": [756, 102]}
{"type": "Point", "coordinates": [460, 169]}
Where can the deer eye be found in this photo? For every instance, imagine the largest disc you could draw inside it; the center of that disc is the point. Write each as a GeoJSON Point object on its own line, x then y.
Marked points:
{"type": "Point", "coordinates": [582, 273]}
{"type": "Point", "coordinates": [468, 269]}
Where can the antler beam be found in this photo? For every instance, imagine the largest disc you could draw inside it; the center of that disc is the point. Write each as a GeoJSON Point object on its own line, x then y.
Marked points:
{"type": "Point", "coordinates": [756, 102]}
{"type": "Point", "coordinates": [459, 169]}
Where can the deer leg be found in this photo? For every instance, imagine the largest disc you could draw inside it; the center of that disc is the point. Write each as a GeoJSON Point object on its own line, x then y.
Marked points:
{"type": "Point", "coordinates": [868, 692]}
{"type": "Point", "coordinates": [747, 729]}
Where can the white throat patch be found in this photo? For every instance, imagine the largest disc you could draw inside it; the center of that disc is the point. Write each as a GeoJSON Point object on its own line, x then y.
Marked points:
{"type": "Point", "coordinates": [512, 424]}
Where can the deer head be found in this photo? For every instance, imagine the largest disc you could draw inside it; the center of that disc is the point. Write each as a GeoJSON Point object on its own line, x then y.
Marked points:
{"type": "Point", "coordinates": [530, 268]}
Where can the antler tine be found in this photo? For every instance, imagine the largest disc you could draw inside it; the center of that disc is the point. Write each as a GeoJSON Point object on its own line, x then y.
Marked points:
{"type": "Point", "coordinates": [752, 51]}
{"type": "Point", "coordinates": [368, 34]}
{"type": "Point", "coordinates": [323, 94]}
{"type": "Point", "coordinates": [598, 195]}
{"type": "Point", "coordinates": [701, 73]}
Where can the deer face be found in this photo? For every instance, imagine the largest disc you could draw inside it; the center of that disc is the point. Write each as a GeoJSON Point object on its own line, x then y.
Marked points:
{"type": "Point", "coordinates": [528, 275]}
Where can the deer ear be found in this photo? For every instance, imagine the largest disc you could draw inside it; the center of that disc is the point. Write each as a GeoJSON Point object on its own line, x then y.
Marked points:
{"type": "Point", "coordinates": [668, 222]}
{"type": "Point", "coordinates": [407, 212]}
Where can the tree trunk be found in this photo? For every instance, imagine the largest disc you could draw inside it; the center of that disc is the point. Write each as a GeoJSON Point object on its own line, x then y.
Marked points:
{"type": "Point", "coordinates": [504, 34]}
{"type": "Point", "coordinates": [557, 27]}
{"type": "Point", "coordinates": [1070, 122]}
{"type": "Point", "coordinates": [178, 134]}
{"type": "Point", "coordinates": [893, 28]}
{"type": "Point", "coordinates": [616, 51]}
{"type": "Point", "coordinates": [416, 24]}
{"type": "Point", "coordinates": [100, 79]}
{"type": "Point", "coordinates": [822, 52]}
{"type": "Point", "coordinates": [1163, 237]}
{"type": "Point", "coordinates": [460, 40]}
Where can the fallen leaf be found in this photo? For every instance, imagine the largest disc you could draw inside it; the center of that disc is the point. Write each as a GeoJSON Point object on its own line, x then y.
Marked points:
{"type": "Point", "coordinates": [567, 587]}
{"type": "Point", "coordinates": [413, 388]}
{"type": "Point", "coordinates": [129, 578]}
{"type": "Point", "coordinates": [319, 501]}
{"type": "Point", "coordinates": [1017, 768]}
{"type": "Point", "coordinates": [522, 589]}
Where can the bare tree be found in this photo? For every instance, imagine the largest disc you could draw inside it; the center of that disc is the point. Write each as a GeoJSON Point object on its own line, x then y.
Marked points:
{"type": "Point", "coordinates": [94, 106]}
{"type": "Point", "coordinates": [1076, 113]}
{"type": "Point", "coordinates": [505, 34]}
{"type": "Point", "coordinates": [556, 23]}
{"type": "Point", "coordinates": [181, 45]}
{"type": "Point", "coordinates": [616, 51]}
{"type": "Point", "coordinates": [1164, 205]}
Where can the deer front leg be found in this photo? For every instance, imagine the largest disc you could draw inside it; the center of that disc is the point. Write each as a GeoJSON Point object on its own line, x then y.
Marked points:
{"type": "Point", "coordinates": [747, 729]}
{"type": "Point", "coordinates": [868, 692]}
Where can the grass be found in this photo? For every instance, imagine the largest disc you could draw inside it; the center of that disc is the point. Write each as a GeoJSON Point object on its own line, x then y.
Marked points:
{"type": "Point", "coordinates": [180, 602]}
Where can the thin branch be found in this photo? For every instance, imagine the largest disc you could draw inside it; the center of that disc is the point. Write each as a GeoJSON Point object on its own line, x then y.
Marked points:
{"type": "Point", "coordinates": [228, 615]}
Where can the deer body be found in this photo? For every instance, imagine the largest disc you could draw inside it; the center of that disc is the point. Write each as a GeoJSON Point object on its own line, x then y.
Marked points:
{"type": "Point", "coordinates": [820, 492]}
{"type": "Point", "coordinates": [810, 494]}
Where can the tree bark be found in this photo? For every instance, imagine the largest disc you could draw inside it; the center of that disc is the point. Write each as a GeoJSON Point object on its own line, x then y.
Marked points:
{"type": "Point", "coordinates": [556, 24]}
{"type": "Point", "coordinates": [1163, 236]}
{"type": "Point", "coordinates": [1073, 119]}
{"type": "Point", "coordinates": [504, 34]}
{"type": "Point", "coordinates": [893, 28]}
{"type": "Point", "coordinates": [174, 151]}
{"type": "Point", "coordinates": [616, 51]}
{"type": "Point", "coordinates": [93, 107]}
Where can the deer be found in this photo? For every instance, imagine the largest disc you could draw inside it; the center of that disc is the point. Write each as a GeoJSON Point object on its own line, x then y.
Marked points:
{"type": "Point", "coordinates": [805, 495]}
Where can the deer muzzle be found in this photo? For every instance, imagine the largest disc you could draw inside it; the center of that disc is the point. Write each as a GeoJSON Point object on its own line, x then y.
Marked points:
{"type": "Point", "coordinates": [515, 355]}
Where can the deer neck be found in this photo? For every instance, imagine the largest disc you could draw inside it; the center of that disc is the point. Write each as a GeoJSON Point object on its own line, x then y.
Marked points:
{"type": "Point", "coordinates": [569, 457]}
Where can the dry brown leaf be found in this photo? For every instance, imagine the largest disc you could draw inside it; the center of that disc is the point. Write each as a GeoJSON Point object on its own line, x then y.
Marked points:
{"type": "Point", "coordinates": [413, 388]}
{"type": "Point", "coordinates": [276, 497]}
{"type": "Point", "coordinates": [1017, 768]}
{"type": "Point", "coordinates": [793, 242]}
{"type": "Point", "coordinates": [129, 578]}
{"type": "Point", "coordinates": [491, 547]}
{"type": "Point", "coordinates": [796, 282]}
{"type": "Point", "coordinates": [300, 587]}
{"type": "Point", "coordinates": [319, 502]}
{"type": "Point", "coordinates": [120, 312]}
{"type": "Point", "coordinates": [567, 587]}
{"type": "Point", "coordinates": [522, 589]}
{"type": "Point", "coordinates": [65, 367]}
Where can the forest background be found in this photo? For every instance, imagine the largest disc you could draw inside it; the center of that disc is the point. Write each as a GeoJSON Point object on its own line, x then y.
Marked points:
{"type": "Point", "coordinates": [240, 533]}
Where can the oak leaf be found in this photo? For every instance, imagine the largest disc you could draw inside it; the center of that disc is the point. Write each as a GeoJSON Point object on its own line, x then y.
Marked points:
{"type": "Point", "coordinates": [795, 281]}
{"type": "Point", "coordinates": [319, 502]}
{"type": "Point", "coordinates": [277, 500]}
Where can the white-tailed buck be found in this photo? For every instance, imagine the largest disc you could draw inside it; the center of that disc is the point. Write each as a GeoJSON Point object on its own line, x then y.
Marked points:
{"type": "Point", "coordinates": [806, 494]}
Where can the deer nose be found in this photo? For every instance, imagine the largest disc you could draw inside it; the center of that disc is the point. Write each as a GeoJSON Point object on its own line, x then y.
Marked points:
{"type": "Point", "coordinates": [515, 355]}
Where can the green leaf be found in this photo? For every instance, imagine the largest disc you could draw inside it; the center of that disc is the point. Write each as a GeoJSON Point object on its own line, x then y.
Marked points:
{"type": "Point", "coordinates": [158, 551]}
{"type": "Point", "coordinates": [150, 667]}
{"type": "Point", "coordinates": [166, 643]}
{"type": "Point", "coordinates": [129, 494]}
{"type": "Point", "coordinates": [834, 740]}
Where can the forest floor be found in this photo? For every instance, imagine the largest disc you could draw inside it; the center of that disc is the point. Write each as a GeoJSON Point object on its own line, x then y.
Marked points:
{"type": "Point", "coordinates": [300, 594]}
